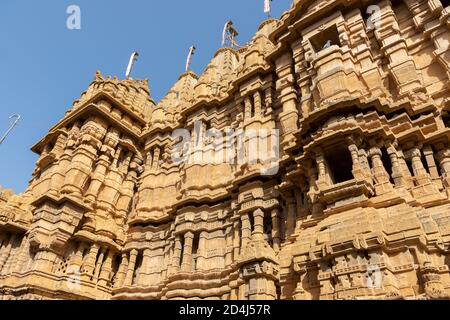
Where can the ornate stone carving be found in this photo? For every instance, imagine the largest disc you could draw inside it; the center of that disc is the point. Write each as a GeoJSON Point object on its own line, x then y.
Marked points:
{"type": "Point", "coordinates": [358, 208]}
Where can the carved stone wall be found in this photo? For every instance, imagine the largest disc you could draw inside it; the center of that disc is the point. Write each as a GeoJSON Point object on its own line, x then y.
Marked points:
{"type": "Point", "coordinates": [359, 207]}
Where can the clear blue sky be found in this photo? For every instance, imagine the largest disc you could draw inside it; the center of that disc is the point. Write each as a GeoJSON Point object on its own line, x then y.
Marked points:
{"type": "Point", "coordinates": [45, 67]}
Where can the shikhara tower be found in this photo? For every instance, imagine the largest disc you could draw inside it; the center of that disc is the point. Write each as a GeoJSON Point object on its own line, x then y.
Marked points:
{"type": "Point", "coordinates": [360, 207]}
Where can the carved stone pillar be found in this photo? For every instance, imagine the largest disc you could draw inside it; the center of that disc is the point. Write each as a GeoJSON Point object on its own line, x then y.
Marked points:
{"type": "Point", "coordinates": [176, 258]}
{"type": "Point", "coordinates": [379, 172]}
{"type": "Point", "coordinates": [312, 195]}
{"type": "Point", "coordinates": [291, 217]}
{"type": "Point", "coordinates": [186, 265]}
{"type": "Point", "coordinates": [261, 288]}
{"type": "Point", "coordinates": [246, 230]}
{"type": "Point", "coordinates": [131, 268]}
{"type": "Point", "coordinates": [323, 178]}
{"type": "Point", "coordinates": [121, 273]}
{"type": "Point", "coordinates": [124, 166]}
{"type": "Point", "coordinates": [99, 264]}
{"type": "Point", "coordinates": [364, 160]}
{"type": "Point", "coordinates": [397, 172]}
{"type": "Point", "coordinates": [13, 257]}
{"type": "Point", "coordinates": [354, 152]}
{"type": "Point", "coordinates": [97, 178]}
{"type": "Point", "coordinates": [166, 262]}
{"type": "Point", "coordinates": [433, 284]}
{"type": "Point", "coordinates": [115, 160]}
{"type": "Point", "coordinates": [431, 163]}
{"type": "Point", "coordinates": [144, 276]}
{"type": "Point", "coordinates": [425, 189]}
{"type": "Point", "coordinates": [156, 156]}
{"type": "Point", "coordinates": [23, 255]}
{"type": "Point", "coordinates": [380, 175]}
{"type": "Point", "coordinates": [258, 230]}
{"type": "Point", "coordinates": [229, 248]}
{"type": "Point", "coordinates": [89, 265]}
{"type": "Point", "coordinates": [247, 109]}
{"type": "Point", "coordinates": [444, 163]}
{"type": "Point", "coordinates": [149, 160]}
{"type": "Point", "coordinates": [77, 259]}
{"type": "Point", "coordinates": [126, 193]}
{"type": "Point", "coordinates": [268, 101]}
{"type": "Point", "coordinates": [288, 97]}
{"type": "Point", "coordinates": [406, 172]}
{"type": "Point", "coordinates": [105, 274]}
{"type": "Point", "coordinates": [57, 152]}
{"type": "Point", "coordinates": [276, 232]}
{"type": "Point", "coordinates": [6, 256]}
{"type": "Point", "coordinates": [236, 239]}
{"type": "Point", "coordinates": [201, 259]}
{"type": "Point", "coordinates": [258, 103]}
{"type": "Point", "coordinates": [420, 173]}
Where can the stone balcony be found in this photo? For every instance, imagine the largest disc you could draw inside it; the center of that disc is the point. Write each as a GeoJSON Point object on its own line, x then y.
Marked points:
{"type": "Point", "coordinates": [335, 79]}
{"type": "Point", "coordinates": [346, 194]}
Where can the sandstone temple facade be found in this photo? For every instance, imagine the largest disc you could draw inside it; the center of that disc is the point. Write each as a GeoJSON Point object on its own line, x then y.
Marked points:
{"type": "Point", "coordinates": [359, 207]}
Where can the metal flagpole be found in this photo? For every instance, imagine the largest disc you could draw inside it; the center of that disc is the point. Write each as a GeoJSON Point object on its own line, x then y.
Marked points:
{"type": "Point", "coordinates": [267, 8]}
{"type": "Point", "coordinates": [131, 63]}
{"type": "Point", "coordinates": [13, 124]}
{"type": "Point", "coordinates": [189, 58]}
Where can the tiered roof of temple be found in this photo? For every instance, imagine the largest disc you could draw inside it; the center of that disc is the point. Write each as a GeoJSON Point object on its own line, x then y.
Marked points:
{"type": "Point", "coordinates": [357, 208]}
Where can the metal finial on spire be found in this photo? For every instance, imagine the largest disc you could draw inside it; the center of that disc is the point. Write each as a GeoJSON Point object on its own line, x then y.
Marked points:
{"type": "Point", "coordinates": [14, 123]}
{"type": "Point", "coordinates": [189, 58]}
{"type": "Point", "coordinates": [229, 33]}
{"type": "Point", "coordinates": [133, 59]}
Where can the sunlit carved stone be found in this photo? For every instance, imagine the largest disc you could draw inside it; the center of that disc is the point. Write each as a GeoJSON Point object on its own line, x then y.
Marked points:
{"type": "Point", "coordinates": [358, 207]}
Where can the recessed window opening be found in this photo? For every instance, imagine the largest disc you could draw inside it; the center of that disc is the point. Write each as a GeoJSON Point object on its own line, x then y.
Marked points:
{"type": "Point", "coordinates": [325, 39]}
{"type": "Point", "coordinates": [85, 253]}
{"type": "Point", "coordinates": [138, 266]}
{"type": "Point", "coordinates": [252, 108]}
{"type": "Point", "coordinates": [410, 168]}
{"type": "Point", "coordinates": [438, 167]}
{"type": "Point", "coordinates": [366, 255]}
{"type": "Point", "coordinates": [252, 221]}
{"type": "Point", "coordinates": [115, 268]}
{"type": "Point", "coordinates": [182, 251]}
{"type": "Point", "coordinates": [268, 228]}
{"type": "Point", "coordinates": [116, 264]}
{"type": "Point", "coordinates": [340, 164]}
{"type": "Point", "coordinates": [327, 265]}
{"type": "Point", "coordinates": [195, 252]}
{"type": "Point", "coordinates": [122, 158]}
{"type": "Point", "coordinates": [446, 120]}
